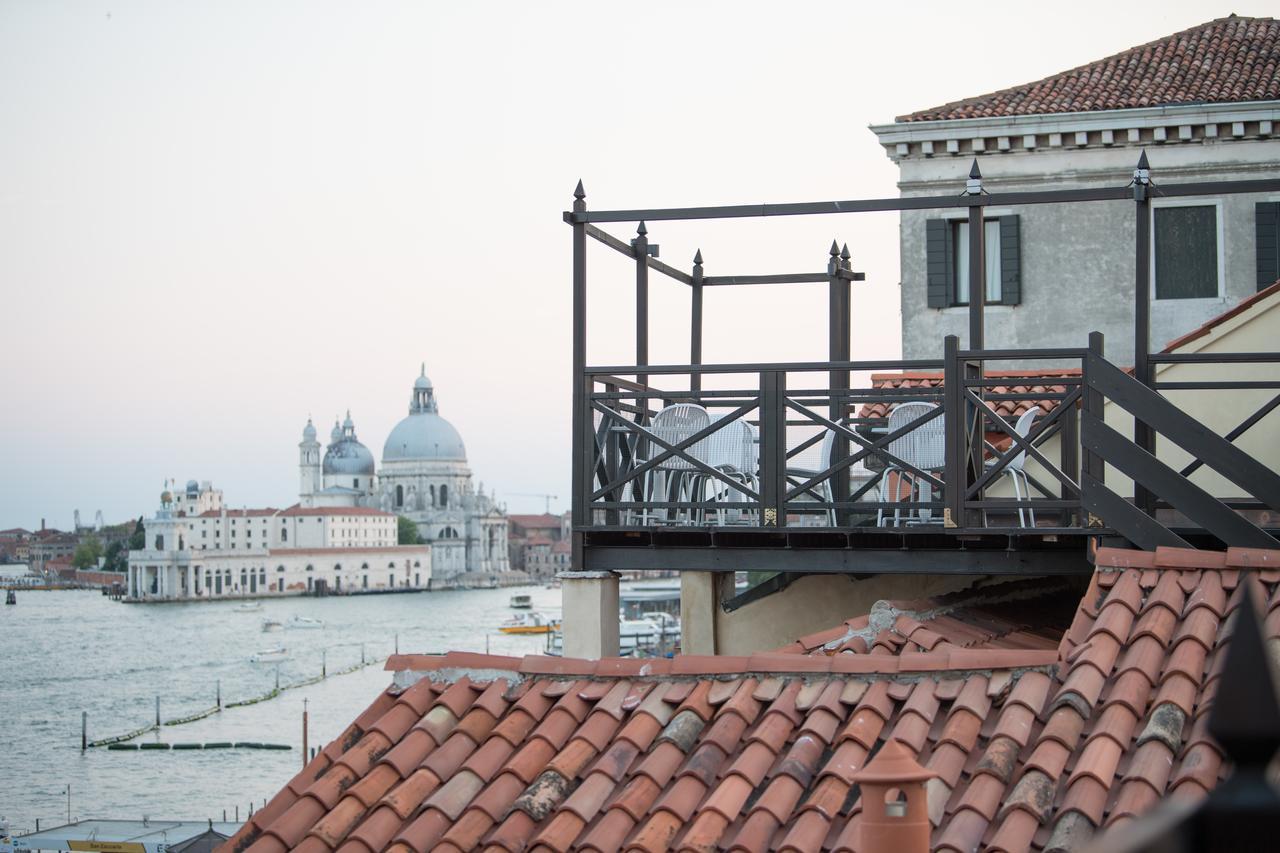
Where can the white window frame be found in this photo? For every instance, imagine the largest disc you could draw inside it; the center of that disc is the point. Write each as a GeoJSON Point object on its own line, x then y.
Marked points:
{"type": "Point", "coordinates": [1215, 203]}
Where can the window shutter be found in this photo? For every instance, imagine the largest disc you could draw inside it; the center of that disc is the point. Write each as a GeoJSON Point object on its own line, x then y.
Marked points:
{"type": "Point", "coordinates": [1267, 215]}
{"type": "Point", "coordinates": [941, 276]}
{"type": "Point", "coordinates": [1010, 262]}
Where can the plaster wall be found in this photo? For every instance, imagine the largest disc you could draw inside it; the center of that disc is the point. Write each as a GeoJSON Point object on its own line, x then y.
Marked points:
{"type": "Point", "coordinates": [1078, 259]}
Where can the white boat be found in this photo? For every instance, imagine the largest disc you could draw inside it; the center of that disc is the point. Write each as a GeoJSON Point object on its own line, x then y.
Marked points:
{"type": "Point", "coordinates": [522, 601]}
{"type": "Point", "coordinates": [272, 625]}
{"type": "Point", "coordinates": [249, 607]}
{"type": "Point", "coordinates": [529, 623]}
{"type": "Point", "coordinates": [276, 653]}
{"type": "Point", "coordinates": [304, 622]}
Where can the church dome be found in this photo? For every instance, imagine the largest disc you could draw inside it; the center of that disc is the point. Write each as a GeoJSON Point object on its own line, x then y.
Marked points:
{"type": "Point", "coordinates": [309, 431]}
{"type": "Point", "coordinates": [346, 455]}
{"type": "Point", "coordinates": [423, 434]}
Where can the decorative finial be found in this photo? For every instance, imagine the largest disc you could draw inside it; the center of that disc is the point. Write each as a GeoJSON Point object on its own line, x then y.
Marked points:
{"type": "Point", "coordinates": [697, 258]}
{"type": "Point", "coordinates": [973, 186]}
{"type": "Point", "coordinates": [835, 249]}
{"type": "Point", "coordinates": [1245, 717]}
{"type": "Point", "coordinates": [1142, 173]}
{"type": "Point", "coordinates": [424, 369]}
{"type": "Point", "coordinates": [641, 230]}
{"type": "Point", "coordinates": [844, 252]}
{"type": "Point", "coordinates": [579, 193]}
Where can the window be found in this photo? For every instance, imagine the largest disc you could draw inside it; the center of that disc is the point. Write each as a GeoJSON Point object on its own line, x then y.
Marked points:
{"type": "Point", "coordinates": [399, 495]}
{"type": "Point", "coordinates": [444, 496]}
{"type": "Point", "coordinates": [1267, 223]}
{"type": "Point", "coordinates": [1184, 251]}
{"type": "Point", "coordinates": [947, 262]}
{"type": "Point", "coordinates": [284, 535]}
{"type": "Point", "coordinates": [961, 242]}
{"type": "Point", "coordinates": [355, 482]}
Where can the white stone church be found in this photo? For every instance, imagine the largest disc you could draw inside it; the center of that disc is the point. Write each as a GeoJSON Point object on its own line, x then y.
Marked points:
{"type": "Point", "coordinates": [424, 476]}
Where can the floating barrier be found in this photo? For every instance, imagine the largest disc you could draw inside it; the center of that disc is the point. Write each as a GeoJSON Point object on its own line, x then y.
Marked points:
{"type": "Point", "coordinates": [119, 741]}
{"type": "Point", "coordinates": [243, 744]}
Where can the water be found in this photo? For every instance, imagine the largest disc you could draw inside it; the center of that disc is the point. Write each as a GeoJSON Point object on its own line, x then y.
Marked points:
{"type": "Point", "coordinates": [65, 652]}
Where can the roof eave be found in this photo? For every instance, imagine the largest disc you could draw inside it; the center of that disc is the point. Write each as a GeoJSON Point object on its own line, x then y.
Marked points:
{"type": "Point", "coordinates": [961, 128]}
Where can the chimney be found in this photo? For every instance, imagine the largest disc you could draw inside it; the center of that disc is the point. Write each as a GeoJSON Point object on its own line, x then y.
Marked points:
{"type": "Point", "coordinates": [895, 809]}
{"type": "Point", "coordinates": [42, 524]}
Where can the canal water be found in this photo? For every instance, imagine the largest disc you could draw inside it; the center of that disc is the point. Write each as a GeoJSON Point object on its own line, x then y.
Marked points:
{"type": "Point", "coordinates": [65, 652]}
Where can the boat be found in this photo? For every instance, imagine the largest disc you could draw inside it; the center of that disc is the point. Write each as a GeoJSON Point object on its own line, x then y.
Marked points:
{"type": "Point", "coordinates": [529, 623]}
{"type": "Point", "coordinates": [275, 653]}
{"type": "Point", "coordinates": [299, 621]}
{"type": "Point", "coordinates": [522, 601]}
{"type": "Point", "coordinates": [249, 607]}
{"type": "Point", "coordinates": [272, 625]}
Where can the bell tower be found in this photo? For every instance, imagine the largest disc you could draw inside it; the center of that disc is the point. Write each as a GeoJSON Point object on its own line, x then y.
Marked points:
{"type": "Point", "coordinates": [308, 465]}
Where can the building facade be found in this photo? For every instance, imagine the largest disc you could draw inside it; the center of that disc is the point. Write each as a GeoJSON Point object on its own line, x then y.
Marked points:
{"type": "Point", "coordinates": [198, 548]}
{"type": "Point", "coordinates": [424, 476]}
{"type": "Point", "coordinates": [1056, 272]}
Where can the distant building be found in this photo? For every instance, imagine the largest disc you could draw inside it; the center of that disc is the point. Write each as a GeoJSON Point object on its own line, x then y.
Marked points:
{"type": "Point", "coordinates": [197, 548]}
{"type": "Point", "coordinates": [1202, 102]}
{"type": "Point", "coordinates": [531, 540]}
{"type": "Point", "coordinates": [48, 547]}
{"type": "Point", "coordinates": [424, 476]}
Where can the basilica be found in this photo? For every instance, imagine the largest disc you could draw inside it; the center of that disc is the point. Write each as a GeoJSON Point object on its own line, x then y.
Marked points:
{"type": "Point", "coordinates": [424, 476]}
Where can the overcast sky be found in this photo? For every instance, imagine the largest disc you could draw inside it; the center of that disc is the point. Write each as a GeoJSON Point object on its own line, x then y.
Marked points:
{"type": "Point", "coordinates": [217, 218]}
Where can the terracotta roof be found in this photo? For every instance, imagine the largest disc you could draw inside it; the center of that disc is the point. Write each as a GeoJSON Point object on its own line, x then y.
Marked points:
{"type": "Point", "coordinates": [1029, 746]}
{"type": "Point", "coordinates": [1007, 408]}
{"type": "Point", "coordinates": [541, 521]}
{"type": "Point", "coordinates": [239, 513]}
{"type": "Point", "coordinates": [334, 510]}
{"type": "Point", "coordinates": [1209, 325]}
{"type": "Point", "coordinates": [357, 549]}
{"type": "Point", "coordinates": [1228, 60]}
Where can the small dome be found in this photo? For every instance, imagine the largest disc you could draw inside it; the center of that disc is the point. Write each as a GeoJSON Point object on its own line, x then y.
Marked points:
{"type": "Point", "coordinates": [309, 431]}
{"type": "Point", "coordinates": [348, 457]}
{"type": "Point", "coordinates": [422, 383]}
{"type": "Point", "coordinates": [166, 497]}
{"type": "Point", "coordinates": [193, 488]}
{"type": "Point", "coordinates": [335, 434]}
{"type": "Point", "coordinates": [348, 423]}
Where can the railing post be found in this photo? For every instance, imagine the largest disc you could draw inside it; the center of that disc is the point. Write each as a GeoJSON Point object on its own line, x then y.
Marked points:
{"type": "Point", "coordinates": [773, 449]}
{"type": "Point", "coordinates": [954, 486]}
{"type": "Point", "coordinates": [579, 470]}
{"type": "Point", "coordinates": [1069, 459]}
{"type": "Point", "coordinates": [838, 351]}
{"type": "Point", "coordinates": [1092, 464]}
{"type": "Point", "coordinates": [695, 323]}
{"type": "Point", "coordinates": [977, 260]}
{"type": "Point", "coordinates": [640, 246]}
{"type": "Point", "coordinates": [1143, 435]}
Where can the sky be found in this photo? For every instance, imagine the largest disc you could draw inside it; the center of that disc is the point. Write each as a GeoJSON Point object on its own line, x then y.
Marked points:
{"type": "Point", "coordinates": [220, 218]}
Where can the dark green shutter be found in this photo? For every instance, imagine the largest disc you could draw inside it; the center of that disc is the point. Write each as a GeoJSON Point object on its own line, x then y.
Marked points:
{"type": "Point", "coordinates": [1267, 215]}
{"type": "Point", "coordinates": [1010, 262]}
{"type": "Point", "coordinates": [940, 259]}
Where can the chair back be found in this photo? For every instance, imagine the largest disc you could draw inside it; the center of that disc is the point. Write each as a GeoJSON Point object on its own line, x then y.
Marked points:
{"type": "Point", "coordinates": [925, 447]}
{"type": "Point", "coordinates": [1023, 428]}
{"type": "Point", "coordinates": [673, 425]}
{"type": "Point", "coordinates": [732, 446]}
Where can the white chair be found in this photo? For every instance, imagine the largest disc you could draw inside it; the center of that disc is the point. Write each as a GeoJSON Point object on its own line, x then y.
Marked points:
{"type": "Point", "coordinates": [674, 478]}
{"type": "Point", "coordinates": [924, 448]}
{"type": "Point", "coordinates": [1014, 469]}
{"type": "Point", "coordinates": [734, 450]}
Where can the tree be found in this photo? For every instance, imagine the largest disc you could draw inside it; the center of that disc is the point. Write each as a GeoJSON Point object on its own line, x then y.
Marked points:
{"type": "Point", "coordinates": [407, 531]}
{"type": "Point", "coordinates": [117, 558]}
{"type": "Point", "coordinates": [138, 539]}
{"type": "Point", "coordinates": [87, 553]}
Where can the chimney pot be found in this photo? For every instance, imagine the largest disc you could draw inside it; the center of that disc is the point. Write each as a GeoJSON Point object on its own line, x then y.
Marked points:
{"type": "Point", "coordinates": [895, 808]}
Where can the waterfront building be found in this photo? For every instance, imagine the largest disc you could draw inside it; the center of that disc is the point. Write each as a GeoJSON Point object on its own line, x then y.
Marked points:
{"type": "Point", "coordinates": [198, 548]}
{"type": "Point", "coordinates": [532, 540]}
{"type": "Point", "coordinates": [424, 477]}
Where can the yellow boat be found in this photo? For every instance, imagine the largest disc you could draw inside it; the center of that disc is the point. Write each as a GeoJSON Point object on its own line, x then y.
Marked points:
{"type": "Point", "coordinates": [529, 623]}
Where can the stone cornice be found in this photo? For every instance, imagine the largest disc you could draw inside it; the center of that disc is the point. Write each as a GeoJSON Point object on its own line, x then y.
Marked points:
{"type": "Point", "coordinates": [1103, 128]}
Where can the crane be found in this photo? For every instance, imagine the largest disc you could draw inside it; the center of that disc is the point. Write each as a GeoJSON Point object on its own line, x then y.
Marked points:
{"type": "Point", "coordinates": [544, 495]}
